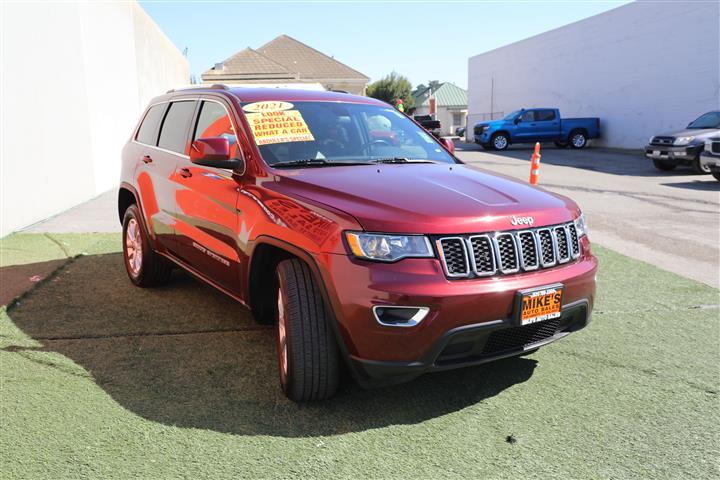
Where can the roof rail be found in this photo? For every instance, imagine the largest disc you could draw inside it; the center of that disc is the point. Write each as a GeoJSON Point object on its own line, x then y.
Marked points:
{"type": "Point", "coordinates": [214, 86]}
{"type": "Point", "coordinates": [339, 91]}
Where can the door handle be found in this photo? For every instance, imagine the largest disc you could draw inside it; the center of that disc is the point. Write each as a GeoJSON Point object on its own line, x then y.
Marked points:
{"type": "Point", "coordinates": [147, 159]}
{"type": "Point", "coordinates": [185, 172]}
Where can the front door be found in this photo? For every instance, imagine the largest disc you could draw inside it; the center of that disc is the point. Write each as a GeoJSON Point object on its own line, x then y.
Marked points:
{"type": "Point", "coordinates": [525, 129]}
{"type": "Point", "coordinates": [206, 198]}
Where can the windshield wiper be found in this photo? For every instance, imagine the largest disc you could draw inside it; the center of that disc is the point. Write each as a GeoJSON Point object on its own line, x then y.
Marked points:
{"type": "Point", "coordinates": [400, 160]}
{"type": "Point", "coordinates": [314, 162]}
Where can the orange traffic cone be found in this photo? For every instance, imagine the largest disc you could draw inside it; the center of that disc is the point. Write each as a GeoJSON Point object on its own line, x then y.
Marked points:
{"type": "Point", "coordinates": [535, 165]}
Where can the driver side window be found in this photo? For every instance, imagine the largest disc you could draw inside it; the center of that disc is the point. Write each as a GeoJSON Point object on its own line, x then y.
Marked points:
{"type": "Point", "coordinates": [528, 116]}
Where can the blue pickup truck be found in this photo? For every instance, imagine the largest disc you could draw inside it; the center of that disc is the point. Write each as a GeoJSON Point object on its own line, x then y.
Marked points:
{"type": "Point", "coordinates": [536, 125]}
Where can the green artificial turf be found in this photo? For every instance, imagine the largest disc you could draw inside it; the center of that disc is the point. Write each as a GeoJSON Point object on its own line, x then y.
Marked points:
{"type": "Point", "coordinates": [104, 380]}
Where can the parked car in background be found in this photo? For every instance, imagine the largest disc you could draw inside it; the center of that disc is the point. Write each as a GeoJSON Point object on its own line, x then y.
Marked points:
{"type": "Point", "coordinates": [460, 131]}
{"type": "Point", "coordinates": [385, 254]}
{"type": "Point", "coordinates": [710, 156]}
{"type": "Point", "coordinates": [428, 123]}
{"type": "Point", "coordinates": [684, 147]}
{"type": "Point", "coordinates": [536, 125]}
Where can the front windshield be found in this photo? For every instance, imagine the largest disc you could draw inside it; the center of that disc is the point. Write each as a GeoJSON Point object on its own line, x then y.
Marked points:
{"type": "Point", "coordinates": [709, 120]}
{"type": "Point", "coordinates": [334, 132]}
{"type": "Point", "coordinates": [512, 115]}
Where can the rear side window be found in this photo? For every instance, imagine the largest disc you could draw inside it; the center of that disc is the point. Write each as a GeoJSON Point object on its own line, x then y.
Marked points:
{"type": "Point", "coordinates": [544, 115]}
{"type": "Point", "coordinates": [174, 130]}
{"type": "Point", "coordinates": [147, 133]}
{"type": "Point", "coordinates": [213, 121]}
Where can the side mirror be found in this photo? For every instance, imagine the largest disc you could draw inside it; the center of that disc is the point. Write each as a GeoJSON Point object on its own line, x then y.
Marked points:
{"type": "Point", "coordinates": [213, 152]}
{"type": "Point", "coordinates": [448, 144]}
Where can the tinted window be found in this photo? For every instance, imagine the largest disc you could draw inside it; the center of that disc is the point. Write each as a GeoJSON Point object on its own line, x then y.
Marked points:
{"type": "Point", "coordinates": [528, 116]}
{"type": "Point", "coordinates": [147, 133]}
{"type": "Point", "coordinates": [173, 134]}
{"type": "Point", "coordinates": [544, 115]}
{"type": "Point", "coordinates": [709, 120]}
{"type": "Point", "coordinates": [213, 121]}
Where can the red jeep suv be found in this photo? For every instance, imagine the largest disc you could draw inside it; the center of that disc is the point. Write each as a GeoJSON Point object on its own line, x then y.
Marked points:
{"type": "Point", "coordinates": [340, 220]}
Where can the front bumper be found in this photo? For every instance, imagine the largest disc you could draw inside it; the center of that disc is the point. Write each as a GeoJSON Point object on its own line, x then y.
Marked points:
{"type": "Point", "coordinates": [672, 154]}
{"type": "Point", "coordinates": [355, 286]}
{"type": "Point", "coordinates": [484, 137]}
{"type": "Point", "coordinates": [474, 345]}
{"type": "Point", "coordinates": [710, 160]}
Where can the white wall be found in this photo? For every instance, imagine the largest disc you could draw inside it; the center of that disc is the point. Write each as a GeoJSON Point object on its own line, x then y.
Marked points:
{"type": "Point", "coordinates": [642, 68]}
{"type": "Point", "coordinates": [75, 78]}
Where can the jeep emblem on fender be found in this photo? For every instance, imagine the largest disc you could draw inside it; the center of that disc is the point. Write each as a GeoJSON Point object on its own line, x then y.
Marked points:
{"type": "Point", "coordinates": [522, 220]}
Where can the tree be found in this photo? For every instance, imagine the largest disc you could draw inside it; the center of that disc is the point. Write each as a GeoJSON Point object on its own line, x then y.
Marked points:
{"type": "Point", "coordinates": [392, 87]}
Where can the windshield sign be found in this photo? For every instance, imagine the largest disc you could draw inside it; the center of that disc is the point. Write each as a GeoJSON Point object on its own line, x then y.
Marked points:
{"type": "Point", "coordinates": [330, 133]}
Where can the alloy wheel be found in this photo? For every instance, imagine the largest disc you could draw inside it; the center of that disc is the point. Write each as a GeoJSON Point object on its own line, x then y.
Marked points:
{"type": "Point", "coordinates": [282, 337]}
{"type": "Point", "coordinates": [500, 142]}
{"type": "Point", "coordinates": [133, 247]}
{"type": "Point", "coordinates": [578, 140]}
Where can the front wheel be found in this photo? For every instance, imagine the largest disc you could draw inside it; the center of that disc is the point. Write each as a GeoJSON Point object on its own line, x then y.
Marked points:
{"type": "Point", "coordinates": [699, 167]}
{"type": "Point", "coordinates": [578, 139]}
{"type": "Point", "coordinates": [500, 141]}
{"type": "Point", "coordinates": [308, 357]}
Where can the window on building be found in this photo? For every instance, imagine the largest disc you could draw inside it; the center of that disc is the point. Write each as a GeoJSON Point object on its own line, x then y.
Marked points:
{"type": "Point", "coordinates": [458, 119]}
{"type": "Point", "coordinates": [174, 130]}
{"type": "Point", "coordinates": [147, 133]}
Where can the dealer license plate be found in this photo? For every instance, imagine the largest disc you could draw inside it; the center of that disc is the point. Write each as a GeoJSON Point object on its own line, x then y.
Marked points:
{"type": "Point", "coordinates": [656, 153]}
{"type": "Point", "coordinates": [544, 303]}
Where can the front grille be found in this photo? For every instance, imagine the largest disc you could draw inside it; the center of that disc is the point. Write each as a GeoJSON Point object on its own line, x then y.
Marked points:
{"type": "Point", "coordinates": [662, 141]}
{"type": "Point", "coordinates": [508, 252]}
{"type": "Point", "coordinates": [513, 338]}
{"type": "Point", "coordinates": [479, 129]}
{"type": "Point", "coordinates": [454, 256]}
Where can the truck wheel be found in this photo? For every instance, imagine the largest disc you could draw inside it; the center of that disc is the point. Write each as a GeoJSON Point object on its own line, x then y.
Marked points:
{"type": "Point", "coordinates": [663, 165]}
{"type": "Point", "coordinates": [144, 267]}
{"type": "Point", "coordinates": [578, 139]}
{"type": "Point", "coordinates": [561, 144]}
{"type": "Point", "coordinates": [499, 141]}
{"type": "Point", "coordinates": [308, 357]}
{"type": "Point", "coordinates": [698, 167]}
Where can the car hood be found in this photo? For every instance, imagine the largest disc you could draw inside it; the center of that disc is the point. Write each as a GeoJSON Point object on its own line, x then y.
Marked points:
{"type": "Point", "coordinates": [494, 123]}
{"type": "Point", "coordinates": [426, 198]}
{"type": "Point", "coordinates": [691, 132]}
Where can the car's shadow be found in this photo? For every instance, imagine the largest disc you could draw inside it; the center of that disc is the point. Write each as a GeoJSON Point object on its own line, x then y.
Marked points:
{"type": "Point", "coordinates": [188, 356]}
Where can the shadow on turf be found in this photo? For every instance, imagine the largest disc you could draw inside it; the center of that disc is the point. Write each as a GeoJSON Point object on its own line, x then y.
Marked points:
{"type": "Point", "coordinates": [186, 355]}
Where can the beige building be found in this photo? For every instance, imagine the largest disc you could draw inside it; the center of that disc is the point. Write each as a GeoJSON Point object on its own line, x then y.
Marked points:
{"type": "Point", "coordinates": [285, 60]}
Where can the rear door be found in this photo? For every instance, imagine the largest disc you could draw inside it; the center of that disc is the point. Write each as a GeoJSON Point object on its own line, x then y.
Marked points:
{"type": "Point", "coordinates": [547, 125]}
{"type": "Point", "coordinates": [206, 198]}
{"type": "Point", "coordinates": [153, 178]}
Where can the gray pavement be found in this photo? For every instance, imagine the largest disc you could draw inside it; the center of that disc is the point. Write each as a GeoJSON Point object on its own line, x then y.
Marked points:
{"type": "Point", "coordinates": [668, 219]}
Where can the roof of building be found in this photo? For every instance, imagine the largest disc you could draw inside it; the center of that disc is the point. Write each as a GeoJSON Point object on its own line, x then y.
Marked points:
{"type": "Point", "coordinates": [283, 57]}
{"type": "Point", "coordinates": [447, 95]}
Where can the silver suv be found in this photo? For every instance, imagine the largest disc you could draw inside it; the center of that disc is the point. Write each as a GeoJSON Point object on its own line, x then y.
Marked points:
{"type": "Point", "coordinates": [684, 147]}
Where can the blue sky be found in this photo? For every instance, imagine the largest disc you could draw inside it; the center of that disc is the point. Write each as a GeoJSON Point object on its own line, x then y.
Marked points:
{"type": "Point", "coordinates": [422, 40]}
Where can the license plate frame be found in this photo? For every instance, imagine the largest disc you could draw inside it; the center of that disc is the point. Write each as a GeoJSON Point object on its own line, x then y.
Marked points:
{"type": "Point", "coordinates": [525, 314]}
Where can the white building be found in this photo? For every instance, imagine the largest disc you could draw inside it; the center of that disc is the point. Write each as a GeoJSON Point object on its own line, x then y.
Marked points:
{"type": "Point", "coordinates": [642, 68]}
{"type": "Point", "coordinates": [75, 78]}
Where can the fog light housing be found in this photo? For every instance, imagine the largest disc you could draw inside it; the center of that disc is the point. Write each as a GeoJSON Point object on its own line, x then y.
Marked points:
{"type": "Point", "coordinates": [395, 316]}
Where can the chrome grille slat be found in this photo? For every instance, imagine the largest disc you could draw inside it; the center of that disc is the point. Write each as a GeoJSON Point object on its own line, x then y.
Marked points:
{"type": "Point", "coordinates": [487, 254]}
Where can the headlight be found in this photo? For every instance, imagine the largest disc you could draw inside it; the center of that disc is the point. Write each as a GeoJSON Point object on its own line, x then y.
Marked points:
{"type": "Point", "coordinates": [388, 247]}
{"type": "Point", "coordinates": [683, 140]}
{"type": "Point", "coordinates": [581, 226]}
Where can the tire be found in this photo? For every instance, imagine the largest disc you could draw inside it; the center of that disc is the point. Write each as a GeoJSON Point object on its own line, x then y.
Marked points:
{"type": "Point", "coordinates": [698, 167]}
{"type": "Point", "coordinates": [663, 165]}
{"type": "Point", "coordinates": [716, 175]}
{"type": "Point", "coordinates": [499, 141]}
{"type": "Point", "coordinates": [144, 267]}
{"type": "Point", "coordinates": [561, 144]}
{"type": "Point", "coordinates": [308, 357]}
{"type": "Point", "coordinates": [577, 139]}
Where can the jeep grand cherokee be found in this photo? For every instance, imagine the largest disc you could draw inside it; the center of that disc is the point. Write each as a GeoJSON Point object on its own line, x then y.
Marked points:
{"type": "Point", "coordinates": [354, 231]}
